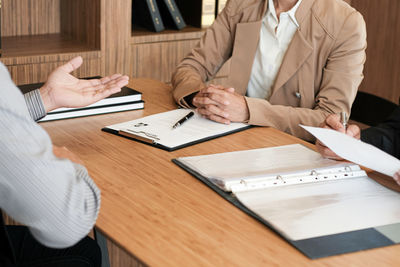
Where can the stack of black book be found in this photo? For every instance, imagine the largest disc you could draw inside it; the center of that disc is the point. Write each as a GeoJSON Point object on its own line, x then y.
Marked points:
{"type": "Point", "coordinates": [126, 99]}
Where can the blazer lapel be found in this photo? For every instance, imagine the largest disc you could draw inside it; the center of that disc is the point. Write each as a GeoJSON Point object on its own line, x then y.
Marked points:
{"type": "Point", "coordinates": [298, 51]}
{"type": "Point", "coordinates": [245, 47]}
{"type": "Point", "coordinates": [247, 36]}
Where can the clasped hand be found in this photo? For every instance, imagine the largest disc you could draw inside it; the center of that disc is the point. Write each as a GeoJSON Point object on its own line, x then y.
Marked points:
{"type": "Point", "coordinates": [221, 104]}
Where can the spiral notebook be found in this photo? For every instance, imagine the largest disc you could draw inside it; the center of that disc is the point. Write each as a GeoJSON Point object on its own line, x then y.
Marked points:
{"type": "Point", "coordinates": [157, 130]}
{"type": "Point", "coordinates": [320, 206]}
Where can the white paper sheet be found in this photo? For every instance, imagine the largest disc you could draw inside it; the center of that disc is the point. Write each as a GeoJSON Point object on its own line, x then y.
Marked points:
{"type": "Point", "coordinates": [356, 151]}
{"type": "Point", "coordinates": [318, 209]}
{"type": "Point", "coordinates": [160, 125]}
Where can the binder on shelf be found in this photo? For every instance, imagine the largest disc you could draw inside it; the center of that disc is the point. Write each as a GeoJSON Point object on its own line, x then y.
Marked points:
{"type": "Point", "coordinates": [126, 99]}
{"type": "Point", "coordinates": [157, 130]}
{"type": "Point", "coordinates": [198, 13]}
{"type": "Point", "coordinates": [219, 6]}
{"type": "Point", "coordinates": [170, 14]}
{"type": "Point", "coordinates": [146, 14]}
{"type": "Point", "coordinates": [320, 206]}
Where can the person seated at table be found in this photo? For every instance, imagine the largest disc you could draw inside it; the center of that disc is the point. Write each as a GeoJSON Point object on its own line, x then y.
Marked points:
{"type": "Point", "coordinates": [385, 136]}
{"type": "Point", "coordinates": [43, 186]}
{"type": "Point", "coordinates": [291, 62]}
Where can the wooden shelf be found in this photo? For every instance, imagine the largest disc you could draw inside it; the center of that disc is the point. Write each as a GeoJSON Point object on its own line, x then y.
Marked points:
{"type": "Point", "coordinates": [40, 48]}
{"type": "Point", "coordinates": [141, 35]}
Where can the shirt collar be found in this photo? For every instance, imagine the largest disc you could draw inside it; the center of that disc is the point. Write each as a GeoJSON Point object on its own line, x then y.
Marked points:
{"type": "Point", "coordinates": [291, 12]}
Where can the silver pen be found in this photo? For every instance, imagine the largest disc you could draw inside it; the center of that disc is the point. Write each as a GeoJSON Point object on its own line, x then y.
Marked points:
{"type": "Point", "coordinates": [343, 119]}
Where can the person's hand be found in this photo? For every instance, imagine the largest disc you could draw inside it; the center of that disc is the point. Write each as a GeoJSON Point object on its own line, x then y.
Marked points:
{"type": "Point", "coordinates": [64, 153]}
{"type": "Point", "coordinates": [221, 104]}
{"type": "Point", "coordinates": [64, 90]}
{"type": "Point", "coordinates": [333, 122]}
{"type": "Point", "coordinates": [396, 177]}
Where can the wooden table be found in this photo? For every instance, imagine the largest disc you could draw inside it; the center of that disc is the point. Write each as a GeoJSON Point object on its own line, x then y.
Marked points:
{"type": "Point", "coordinates": [155, 213]}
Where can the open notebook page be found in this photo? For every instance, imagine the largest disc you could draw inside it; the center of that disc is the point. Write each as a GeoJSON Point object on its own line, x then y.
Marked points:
{"type": "Point", "coordinates": [158, 127]}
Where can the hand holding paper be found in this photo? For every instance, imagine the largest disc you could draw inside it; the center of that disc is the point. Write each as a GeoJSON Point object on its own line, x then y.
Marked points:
{"type": "Point", "coordinates": [357, 151]}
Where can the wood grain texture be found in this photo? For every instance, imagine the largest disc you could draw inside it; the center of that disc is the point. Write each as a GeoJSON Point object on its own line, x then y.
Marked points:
{"type": "Point", "coordinates": [382, 67]}
{"type": "Point", "coordinates": [116, 23]}
{"type": "Point", "coordinates": [30, 17]}
{"type": "Point", "coordinates": [34, 73]}
{"type": "Point", "coordinates": [158, 213]}
{"type": "Point", "coordinates": [80, 21]}
{"type": "Point", "coordinates": [158, 60]}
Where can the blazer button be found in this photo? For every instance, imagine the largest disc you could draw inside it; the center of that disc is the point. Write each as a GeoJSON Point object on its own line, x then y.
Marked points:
{"type": "Point", "coordinates": [298, 95]}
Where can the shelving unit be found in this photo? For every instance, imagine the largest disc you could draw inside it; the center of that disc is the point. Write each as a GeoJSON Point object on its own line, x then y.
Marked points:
{"type": "Point", "coordinates": [42, 34]}
{"type": "Point", "coordinates": [39, 35]}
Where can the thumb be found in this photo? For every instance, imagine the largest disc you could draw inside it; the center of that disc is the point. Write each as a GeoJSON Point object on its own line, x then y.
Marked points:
{"type": "Point", "coordinates": [230, 90]}
{"type": "Point", "coordinates": [72, 65]}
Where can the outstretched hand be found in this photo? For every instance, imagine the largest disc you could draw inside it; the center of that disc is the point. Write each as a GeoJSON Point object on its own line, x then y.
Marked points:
{"type": "Point", "coordinates": [64, 90]}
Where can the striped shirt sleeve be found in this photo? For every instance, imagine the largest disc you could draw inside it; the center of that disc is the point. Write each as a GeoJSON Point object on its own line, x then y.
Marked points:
{"type": "Point", "coordinates": [35, 104]}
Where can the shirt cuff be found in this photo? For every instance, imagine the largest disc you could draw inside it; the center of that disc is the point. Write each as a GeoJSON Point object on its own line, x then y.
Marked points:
{"type": "Point", "coordinates": [35, 104]}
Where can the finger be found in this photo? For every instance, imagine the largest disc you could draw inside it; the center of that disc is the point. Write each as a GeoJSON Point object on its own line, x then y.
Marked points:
{"type": "Point", "coordinates": [202, 101]}
{"type": "Point", "coordinates": [333, 121]}
{"type": "Point", "coordinates": [212, 90]}
{"type": "Point", "coordinates": [214, 110]}
{"type": "Point", "coordinates": [221, 99]}
{"type": "Point", "coordinates": [112, 77]}
{"type": "Point", "coordinates": [217, 95]}
{"type": "Point", "coordinates": [353, 131]}
{"type": "Point", "coordinates": [397, 177]}
{"type": "Point", "coordinates": [72, 65]}
{"type": "Point", "coordinates": [219, 119]}
{"type": "Point", "coordinates": [83, 84]}
{"type": "Point", "coordinates": [230, 90]}
{"type": "Point", "coordinates": [327, 153]}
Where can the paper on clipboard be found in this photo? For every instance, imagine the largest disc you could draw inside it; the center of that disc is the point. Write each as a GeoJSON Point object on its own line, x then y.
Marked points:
{"type": "Point", "coordinates": [356, 151]}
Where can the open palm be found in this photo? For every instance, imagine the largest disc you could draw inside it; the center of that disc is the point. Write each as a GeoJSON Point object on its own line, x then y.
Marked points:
{"type": "Point", "coordinates": [64, 90]}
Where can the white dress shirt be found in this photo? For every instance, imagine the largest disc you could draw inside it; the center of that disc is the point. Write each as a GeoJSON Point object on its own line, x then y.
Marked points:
{"type": "Point", "coordinates": [275, 37]}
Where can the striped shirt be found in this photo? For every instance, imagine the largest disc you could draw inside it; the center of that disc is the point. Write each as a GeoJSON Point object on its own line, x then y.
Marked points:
{"type": "Point", "coordinates": [54, 197]}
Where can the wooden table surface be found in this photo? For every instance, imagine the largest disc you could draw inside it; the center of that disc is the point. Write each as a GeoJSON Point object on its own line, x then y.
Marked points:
{"type": "Point", "coordinates": [163, 216]}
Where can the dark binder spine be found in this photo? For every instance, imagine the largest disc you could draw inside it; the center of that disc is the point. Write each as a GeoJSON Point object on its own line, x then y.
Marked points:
{"type": "Point", "coordinates": [170, 13]}
{"type": "Point", "coordinates": [155, 15]}
{"type": "Point", "coordinates": [146, 14]}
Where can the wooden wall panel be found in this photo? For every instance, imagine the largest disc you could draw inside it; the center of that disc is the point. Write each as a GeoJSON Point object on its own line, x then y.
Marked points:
{"type": "Point", "coordinates": [29, 17]}
{"type": "Point", "coordinates": [34, 73]}
{"type": "Point", "coordinates": [80, 19]}
{"type": "Point", "coordinates": [159, 60]}
{"type": "Point", "coordinates": [382, 67]}
{"type": "Point", "coordinates": [117, 25]}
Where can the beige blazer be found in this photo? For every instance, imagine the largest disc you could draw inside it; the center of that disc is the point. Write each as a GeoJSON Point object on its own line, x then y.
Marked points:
{"type": "Point", "coordinates": [319, 75]}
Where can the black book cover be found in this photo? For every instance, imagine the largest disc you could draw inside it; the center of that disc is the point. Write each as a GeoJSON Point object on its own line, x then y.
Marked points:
{"type": "Point", "coordinates": [146, 14]}
{"type": "Point", "coordinates": [170, 14]}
